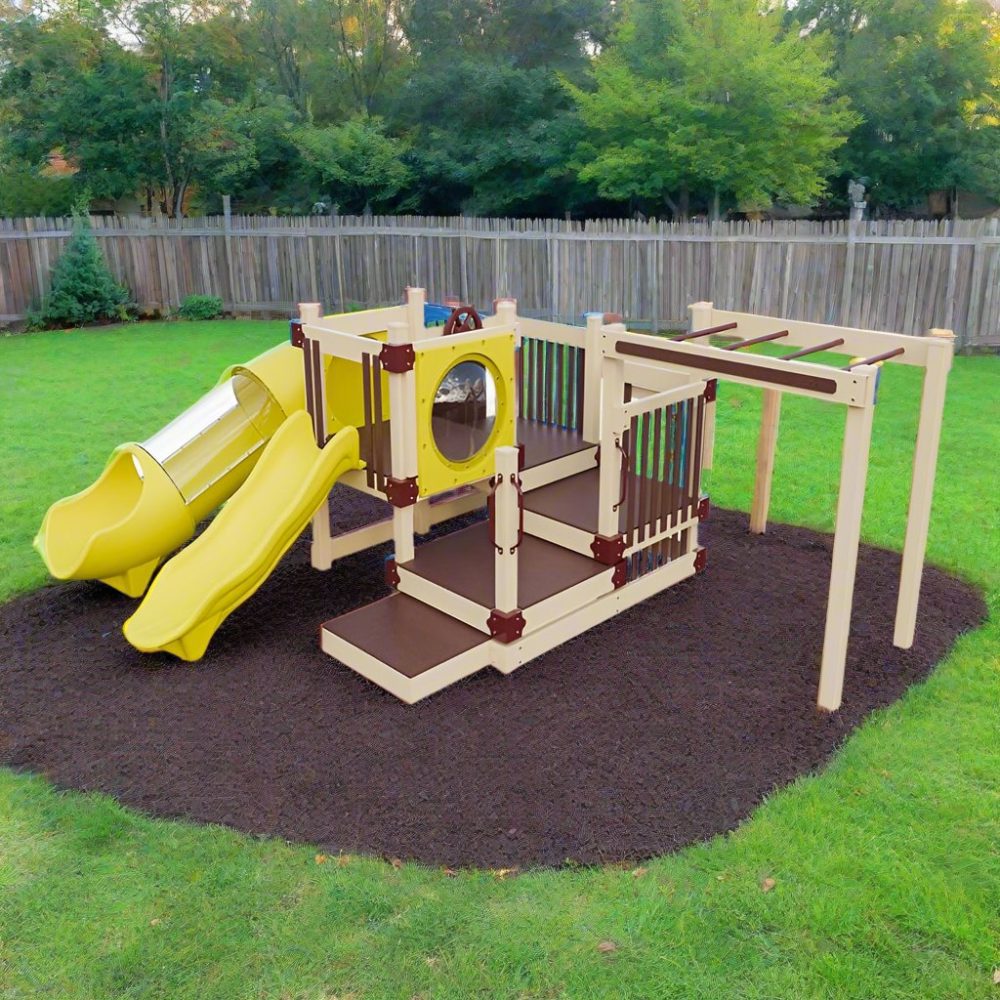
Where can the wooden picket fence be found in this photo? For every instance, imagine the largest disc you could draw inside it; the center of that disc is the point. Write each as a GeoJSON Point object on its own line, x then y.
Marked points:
{"type": "Point", "coordinates": [900, 276]}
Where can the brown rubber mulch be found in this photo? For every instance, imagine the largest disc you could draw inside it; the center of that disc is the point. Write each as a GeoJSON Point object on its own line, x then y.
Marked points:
{"type": "Point", "coordinates": [661, 727]}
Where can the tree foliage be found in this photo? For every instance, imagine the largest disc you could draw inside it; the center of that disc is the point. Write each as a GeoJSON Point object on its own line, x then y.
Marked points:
{"type": "Point", "coordinates": [528, 107]}
{"type": "Point", "coordinates": [84, 290]}
{"type": "Point", "coordinates": [710, 100]}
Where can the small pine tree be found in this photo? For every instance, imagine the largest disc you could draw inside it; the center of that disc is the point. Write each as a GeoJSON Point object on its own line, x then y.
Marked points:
{"type": "Point", "coordinates": [83, 288]}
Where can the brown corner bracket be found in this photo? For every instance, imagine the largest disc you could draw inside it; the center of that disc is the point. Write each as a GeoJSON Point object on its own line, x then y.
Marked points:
{"type": "Point", "coordinates": [401, 492]}
{"type": "Point", "coordinates": [505, 626]}
{"type": "Point", "coordinates": [296, 335]}
{"type": "Point", "coordinates": [711, 390]}
{"type": "Point", "coordinates": [608, 549]}
{"type": "Point", "coordinates": [397, 358]}
{"type": "Point", "coordinates": [620, 576]}
{"type": "Point", "coordinates": [391, 572]}
{"type": "Point", "coordinates": [520, 457]}
{"type": "Point", "coordinates": [700, 560]}
{"type": "Point", "coordinates": [704, 507]}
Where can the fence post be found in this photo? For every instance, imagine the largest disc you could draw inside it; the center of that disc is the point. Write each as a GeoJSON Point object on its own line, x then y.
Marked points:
{"type": "Point", "coordinates": [227, 223]}
{"type": "Point", "coordinates": [463, 259]}
{"type": "Point", "coordinates": [338, 249]}
{"type": "Point", "coordinates": [848, 287]}
{"type": "Point", "coordinates": [975, 295]}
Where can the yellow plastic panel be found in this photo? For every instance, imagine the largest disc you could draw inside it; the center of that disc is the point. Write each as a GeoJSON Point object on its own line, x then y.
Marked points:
{"type": "Point", "coordinates": [345, 402]}
{"type": "Point", "coordinates": [495, 351]}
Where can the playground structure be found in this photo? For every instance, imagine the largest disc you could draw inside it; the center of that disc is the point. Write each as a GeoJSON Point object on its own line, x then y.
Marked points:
{"type": "Point", "coordinates": [586, 445]}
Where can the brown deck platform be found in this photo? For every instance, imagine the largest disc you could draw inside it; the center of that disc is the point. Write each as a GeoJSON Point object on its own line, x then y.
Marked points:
{"type": "Point", "coordinates": [545, 443]}
{"type": "Point", "coordinates": [405, 634]}
{"type": "Point", "coordinates": [571, 501]}
{"type": "Point", "coordinates": [542, 443]}
{"type": "Point", "coordinates": [462, 562]}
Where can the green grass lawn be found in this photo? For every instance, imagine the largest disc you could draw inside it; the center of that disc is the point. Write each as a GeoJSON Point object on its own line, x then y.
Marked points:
{"type": "Point", "coordinates": [886, 866]}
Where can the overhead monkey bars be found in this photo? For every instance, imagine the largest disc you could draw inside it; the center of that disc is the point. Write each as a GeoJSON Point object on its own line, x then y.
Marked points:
{"type": "Point", "coordinates": [853, 386]}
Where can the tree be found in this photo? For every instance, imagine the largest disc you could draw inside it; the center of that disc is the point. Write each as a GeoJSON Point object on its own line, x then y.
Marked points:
{"type": "Point", "coordinates": [490, 124]}
{"type": "Point", "coordinates": [925, 77]}
{"type": "Point", "coordinates": [83, 289]}
{"type": "Point", "coordinates": [359, 165]}
{"type": "Point", "coordinates": [67, 89]}
{"type": "Point", "coordinates": [709, 101]}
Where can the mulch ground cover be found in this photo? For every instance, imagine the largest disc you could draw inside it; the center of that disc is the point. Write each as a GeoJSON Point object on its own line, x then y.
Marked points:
{"type": "Point", "coordinates": [663, 726]}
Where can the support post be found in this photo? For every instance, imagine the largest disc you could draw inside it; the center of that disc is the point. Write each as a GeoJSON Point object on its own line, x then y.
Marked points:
{"type": "Point", "coordinates": [415, 298]}
{"type": "Point", "coordinates": [592, 364]}
{"type": "Point", "coordinates": [402, 428]}
{"type": "Point", "coordinates": [319, 550]}
{"type": "Point", "coordinates": [700, 318]}
{"type": "Point", "coordinates": [766, 443]}
{"type": "Point", "coordinates": [612, 428]}
{"type": "Point", "coordinates": [506, 520]}
{"type": "Point", "coordinates": [922, 486]}
{"type": "Point", "coordinates": [846, 538]}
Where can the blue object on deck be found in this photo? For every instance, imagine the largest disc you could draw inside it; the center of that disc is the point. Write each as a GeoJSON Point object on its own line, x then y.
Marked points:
{"type": "Point", "coordinates": [436, 315]}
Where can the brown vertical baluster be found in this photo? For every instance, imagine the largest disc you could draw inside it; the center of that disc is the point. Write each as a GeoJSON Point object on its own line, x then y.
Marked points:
{"type": "Point", "coordinates": [631, 520]}
{"type": "Point", "coordinates": [536, 383]}
{"type": "Point", "coordinates": [664, 487]}
{"type": "Point", "coordinates": [655, 509]}
{"type": "Point", "coordinates": [555, 393]}
{"type": "Point", "coordinates": [319, 420]}
{"type": "Point", "coordinates": [366, 392]}
{"type": "Point", "coordinates": [380, 431]}
{"type": "Point", "coordinates": [307, 379]}
{"type": "Point", "coordinates": [675, 500]}
{"type": "Point", "coordinates": [645, 482]}
{"type": "Point", "coordinates": [696, 471]}
{"type": "Point", "coordinates": [580, 387]}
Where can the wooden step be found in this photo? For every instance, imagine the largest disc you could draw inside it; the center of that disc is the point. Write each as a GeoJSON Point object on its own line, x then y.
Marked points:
{"type": "Point", "coordinates": [572, 501]}
{"type": "Point", "coordinates": [405, 646]}
{"type": "Point", "coordinates": [463, 563]}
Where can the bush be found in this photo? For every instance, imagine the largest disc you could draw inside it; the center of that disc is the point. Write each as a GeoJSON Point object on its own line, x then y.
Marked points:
{"type": "Point", "coordinates": [201, 307]}
{"type": "Point", "coordinates": [83, 288]}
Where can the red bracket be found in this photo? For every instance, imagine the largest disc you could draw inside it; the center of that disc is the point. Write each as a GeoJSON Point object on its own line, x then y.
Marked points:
{"type": "Point", "coordinates": [391, 572]}
{"type": "Point", "coordinates": [608, 550]}
{"type": "Point", "coordinates": [401, 492]}
{"type": "Point", "coordinates": [505, 626]}
{"type": "Point", "coordinates": [703, 509]}
{"type": "Point", "coordinates": [700, 560]}
{"type": "Point", "coordinates": [397, 358]}
{"type": "Point", "coordinates": [620, 576]}
{"type": "Point", "coordinates": [711, 390]}
{"type": "Point", "coordinates": [296, 335]}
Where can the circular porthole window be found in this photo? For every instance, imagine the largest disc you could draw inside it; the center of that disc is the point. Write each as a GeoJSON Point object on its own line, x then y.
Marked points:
{"type": "Point", "coordinates": [465, 410]}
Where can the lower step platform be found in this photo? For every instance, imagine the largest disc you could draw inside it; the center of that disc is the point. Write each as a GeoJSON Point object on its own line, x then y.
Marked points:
{"type": "Point", "coordinates": [413, 650]}
{"type": "Point", "coordinates": [406, 646]}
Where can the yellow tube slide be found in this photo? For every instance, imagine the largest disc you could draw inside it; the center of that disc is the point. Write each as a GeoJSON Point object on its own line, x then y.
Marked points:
{"type": "Point", "coordinates": [225, 565]}
{"type": "Point", "coordinates": [147, 501]}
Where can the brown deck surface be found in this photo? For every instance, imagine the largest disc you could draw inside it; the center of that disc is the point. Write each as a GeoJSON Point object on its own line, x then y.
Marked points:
{"type": "Point", "coordinates": [406, 634]}
{"type": "Point", "coordinates": [663, 726]}
{"type": "Point", "coordinates": [544, 443]}
{"type": "Point", "coordinates": [463, 562]}
{"type": "Point", "coordinates": [571, 501]}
